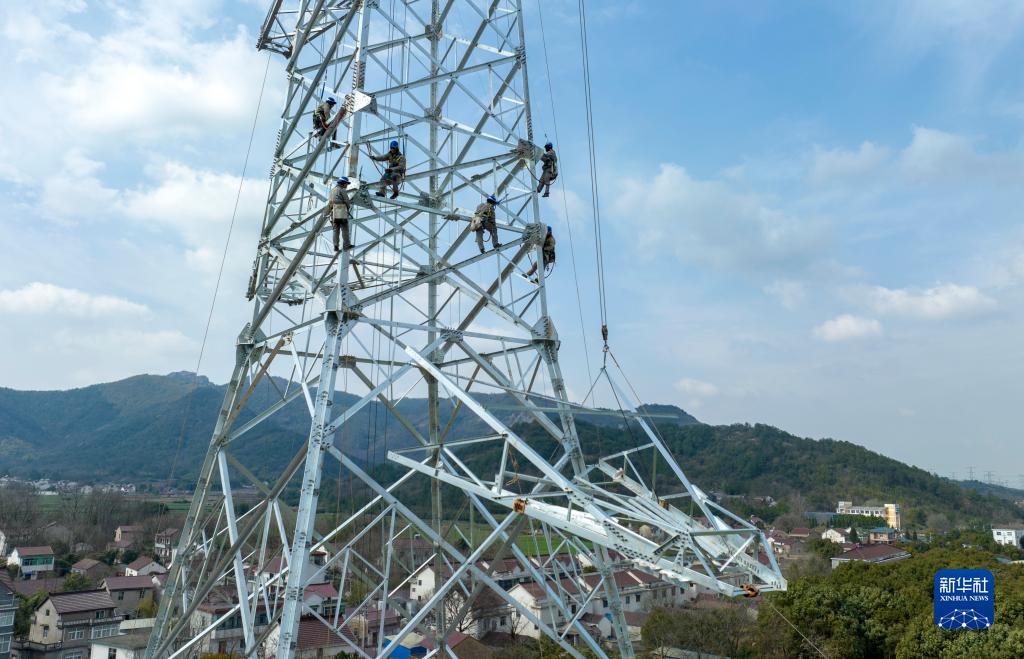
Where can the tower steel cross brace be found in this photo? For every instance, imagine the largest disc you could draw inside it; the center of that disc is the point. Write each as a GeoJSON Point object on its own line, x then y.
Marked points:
{"type": "Point", "coordinates": [339, 532]}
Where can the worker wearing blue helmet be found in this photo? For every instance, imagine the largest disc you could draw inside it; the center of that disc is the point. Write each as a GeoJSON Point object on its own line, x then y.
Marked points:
{"type": "Point", "coordinates": [549, 169]}
{"type": "Point", "coordinates": [394, 173]}
{"type": "Point", "coordinates": [485, 220]}
{"type": "Point", "coordinates": [323, 123]}
{"type": "Point", "coordinates": [548, 252]}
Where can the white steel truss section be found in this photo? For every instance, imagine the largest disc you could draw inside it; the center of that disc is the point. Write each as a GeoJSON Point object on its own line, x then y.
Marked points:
{"type": "Point", "coordinates": [346, 525]}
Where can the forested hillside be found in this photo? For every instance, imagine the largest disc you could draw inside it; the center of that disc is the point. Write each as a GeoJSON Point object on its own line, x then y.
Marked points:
{"type": "Point", "coordinates": [133, 430]}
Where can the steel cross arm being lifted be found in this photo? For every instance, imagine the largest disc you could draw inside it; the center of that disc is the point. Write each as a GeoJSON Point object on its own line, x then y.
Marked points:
{"type": "Point", "coordinates": [412, 357]}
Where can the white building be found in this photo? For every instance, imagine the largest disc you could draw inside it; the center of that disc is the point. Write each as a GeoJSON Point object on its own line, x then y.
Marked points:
{"type": "Point", "coordinates": [125, 646]}
{"type": "Point", "coordinates": [143, 566]}
{"type": "Point", "coordinates": [1009, 535]}
{"type": "Point", "coordinates": [838, 536]}
{"type": "Point", "coordinates": [890, 512]}
{"type": "Point", "coordinates": [638, 592]}
{"type": "Point", "coordinates": [32, 560]}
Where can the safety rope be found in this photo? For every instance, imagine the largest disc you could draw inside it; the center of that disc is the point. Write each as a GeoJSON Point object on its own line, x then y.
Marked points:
{"type": "Point", "coordinates": [595, 201]}
{"type": "Point", "coordinates": [220, 274]}
{"type": "Point", "coordinates": [565, 199]}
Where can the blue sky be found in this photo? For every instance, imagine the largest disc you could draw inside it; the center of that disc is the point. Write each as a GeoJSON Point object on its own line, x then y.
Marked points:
{"type": "Point", "coordinates": [811, 210]}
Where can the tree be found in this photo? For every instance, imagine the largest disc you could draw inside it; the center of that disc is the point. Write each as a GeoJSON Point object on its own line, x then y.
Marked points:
{"type": "Point", "coordinates": [26, 607]}
{"type": "Point", "coordinates": [76, 582]}
{"type": "Point", "coordinates": [853, 534]}
{"type": "Point", "coordinates": [147, 607]}
{"type": "Point", "coordinates": [789, 521]}
{"type": "Point", "coordinates": [660, 631]}
{"type": "Point", "coordinates": [20, 516]}
{"type": "Point", "coordinates": [517, 623]}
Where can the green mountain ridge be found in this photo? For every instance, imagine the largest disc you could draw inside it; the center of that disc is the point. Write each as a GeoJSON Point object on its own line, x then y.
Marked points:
{"type": "Point", "coordinates": [156, 428]}
{"type": "Point", "coordinates": [150, 428]}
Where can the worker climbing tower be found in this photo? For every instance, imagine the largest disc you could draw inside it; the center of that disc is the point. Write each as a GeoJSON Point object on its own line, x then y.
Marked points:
{"type": "Point", "coordinates": [442, 454]}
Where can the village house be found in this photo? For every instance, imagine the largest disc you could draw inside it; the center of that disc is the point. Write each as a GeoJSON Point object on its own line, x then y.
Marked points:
{"type": "Point", "coordinates": [228, 637]}
{"type": "Point", "coordinates": [506, 572]}
{"type": "Point", "coordinates": [880, 553]}
{"type": "Point", "coordinates": [8, 607]}
{"type": "Point", "coordinates": [92, 569]}
{"type": "Point", "coordinates": [142, 566]}
{"type": "Point", "coordinates": [32, 561]}
{"type": "Point", "coordinates": [124, 646]}
{"type": "Point", "coordinates": [536, 600]}
{"type": "Point", "coordinates": [65, 624]}
{"type": "Point", "coordinates": [316, 640]}
{"type": "Point", "coordinates": [365, 626]}
{"type": "Point", "coordinates": [273, 568]}
{"type": "Point", "coordinates": [1009, 534]}
{"type": "Point", "coordinates": [639, 591]}
{"type": "Point", "coordinates": [321, 598]}
{"type": "Point", "coordinates": [782, 546]}
{"type": "Point", "coordinates": [127, 592]}
{"type": "Point", "coordinates": [28, 587]}
{"type": "Point", "coordinates": [165, 544]}
{"type": "Point", "coordinates": [882, 534]}
{"type": "Point", "coordinates": [838, 536]}
{"type": "Point", "coordinates": [130, 533]}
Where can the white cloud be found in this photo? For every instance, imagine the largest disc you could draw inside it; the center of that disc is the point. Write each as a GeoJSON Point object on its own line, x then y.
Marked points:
{"type": "Point", "coordinates": [935, 154]}
{"type": "Point", "coordinates": [39, 298]}
{"type": "Point", "coordinates": [192, 202]}
{"type": "Point", "coordinates": [569, 207]}
{"type": "Point", "coordinates": [791, 294]}
{"type": "Point", "coordinates": [832, 164]}
{"type": "Point", "coordinates": [130, 89]}
{"type": "Point", "coordinates": [970, 34]}
{"type": "Point", "coordinates": [697, 388]}
{"type": "Point", "coordinates": [709, 223]}
{"type": "Point", "coordinates": [76, 192]}
{"type": "Point", "coordinates": [846, 327]}
{"type": "Point", "coordinates": [942, 301]}
{"type": "Point", "coordinates": [128, 342]}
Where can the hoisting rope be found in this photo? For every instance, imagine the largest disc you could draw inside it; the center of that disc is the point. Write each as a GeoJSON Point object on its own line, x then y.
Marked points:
{"type": "Point", "coordinates": [595, 202]}
{"type": "Point", "coordinates": [220, 274]}
{"type": "Point", "coordinates": [565, 199]}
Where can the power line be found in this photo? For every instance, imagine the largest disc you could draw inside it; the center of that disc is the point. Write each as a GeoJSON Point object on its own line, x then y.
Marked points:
{"type": "Point", "coordinates": [595, 201]}
{"type": "Point", "coordinates": [565, 201]}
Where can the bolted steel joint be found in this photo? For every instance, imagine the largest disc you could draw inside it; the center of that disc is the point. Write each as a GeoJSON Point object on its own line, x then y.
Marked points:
{"type": "Point", "coordinates": [433, 31]}
{"type": "Point", "coordinates": [452, 336]}
{"type": "Point", "coordinates": [430, 201]}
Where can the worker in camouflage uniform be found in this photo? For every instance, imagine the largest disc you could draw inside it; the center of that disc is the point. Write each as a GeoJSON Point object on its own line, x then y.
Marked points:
{"type": "Point", "coordinates": [485, 220]}
{"type": "Point", "coordinates": [394, 173]}
{"type": "Point", "coordinates": [548, 252]}
{"type": "Point", "coordinates": [549, 169]}
{"type": "Point", "coordinates": [338, 208]}
{"type": "Point", "coordinates": [322, 120]}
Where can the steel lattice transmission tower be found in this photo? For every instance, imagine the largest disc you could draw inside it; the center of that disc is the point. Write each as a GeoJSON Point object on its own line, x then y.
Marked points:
{"type": "Point", "coordinates": [415, 310]}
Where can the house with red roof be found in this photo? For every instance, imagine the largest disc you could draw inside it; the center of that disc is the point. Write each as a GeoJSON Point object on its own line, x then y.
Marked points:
{"type": "Point", "coordinates": [880, 553]}
{"type": "Point", "coordinates": [316, 640]}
